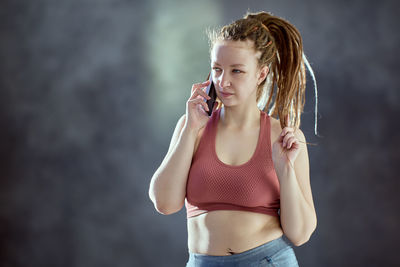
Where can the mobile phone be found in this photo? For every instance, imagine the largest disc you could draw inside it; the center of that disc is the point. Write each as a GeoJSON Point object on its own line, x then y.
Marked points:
{"type": "Point", "coordinates": [210, 90]}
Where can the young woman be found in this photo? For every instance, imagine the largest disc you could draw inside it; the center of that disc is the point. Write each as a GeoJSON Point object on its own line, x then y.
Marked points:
{"type": "Point", "coordinates": [242, 174]}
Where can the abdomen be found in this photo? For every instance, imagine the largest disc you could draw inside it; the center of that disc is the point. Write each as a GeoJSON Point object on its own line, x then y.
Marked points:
{"type": "Point", "coordinates": [220, 231]}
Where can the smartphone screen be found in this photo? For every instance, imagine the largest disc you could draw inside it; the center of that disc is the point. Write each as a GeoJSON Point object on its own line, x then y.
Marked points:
{"type": "Point", "coordinates": [210, 90]}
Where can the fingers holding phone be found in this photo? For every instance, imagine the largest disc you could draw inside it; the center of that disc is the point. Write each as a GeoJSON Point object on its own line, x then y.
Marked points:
{"type": "Point", "coordinates": [197, 109]}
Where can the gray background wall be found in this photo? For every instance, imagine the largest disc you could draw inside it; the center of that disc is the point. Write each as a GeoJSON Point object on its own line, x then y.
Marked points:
{"type": "Point", "coordinates": [90, 92]}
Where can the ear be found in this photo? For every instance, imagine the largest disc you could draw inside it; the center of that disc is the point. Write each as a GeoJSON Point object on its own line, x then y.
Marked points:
{"type": "Point", "coordinates": [262, 74]}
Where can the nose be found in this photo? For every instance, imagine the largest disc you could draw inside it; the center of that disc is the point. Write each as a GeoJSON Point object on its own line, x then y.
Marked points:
{"type": "Point", "coordinates": [224, 80]}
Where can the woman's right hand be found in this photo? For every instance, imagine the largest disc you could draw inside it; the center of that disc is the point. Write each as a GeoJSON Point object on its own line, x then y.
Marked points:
{"type": "Point", "coordinates": [196, 107]}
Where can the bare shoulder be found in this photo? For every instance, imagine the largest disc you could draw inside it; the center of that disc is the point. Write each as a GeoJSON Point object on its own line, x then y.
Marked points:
{"type": "Point", "coordinates": [275, 126]}
{"type": "Point", "coordinates": [178, 129]}
{"type": "Point", "coordinates": [275, 129]}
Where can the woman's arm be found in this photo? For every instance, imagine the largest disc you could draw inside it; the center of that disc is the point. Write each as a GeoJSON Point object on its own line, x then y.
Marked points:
{"type": "Point", "coordinates": [167, 188]}
{"type": "Point", "coordinates": [298, 217]}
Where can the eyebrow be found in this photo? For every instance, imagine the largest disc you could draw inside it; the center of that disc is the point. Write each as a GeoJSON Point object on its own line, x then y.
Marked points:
{"type": "Point", "coordinates": [233, 65]}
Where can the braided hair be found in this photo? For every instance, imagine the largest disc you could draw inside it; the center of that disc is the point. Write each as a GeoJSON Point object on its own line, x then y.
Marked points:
{"type": "Point", "coordinates": [281, 48]}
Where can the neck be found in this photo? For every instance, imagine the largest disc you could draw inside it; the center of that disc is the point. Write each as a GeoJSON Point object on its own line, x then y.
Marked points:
{"type": "Point", "coordinates": [240, 118]}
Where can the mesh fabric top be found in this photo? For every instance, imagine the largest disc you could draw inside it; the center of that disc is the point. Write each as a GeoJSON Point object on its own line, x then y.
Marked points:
{"type": "Point", "coordinates": [214, 185]}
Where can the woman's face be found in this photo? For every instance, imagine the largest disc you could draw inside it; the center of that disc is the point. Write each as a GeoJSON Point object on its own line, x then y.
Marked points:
{"type": "Point", "coordinates": [235, 71]}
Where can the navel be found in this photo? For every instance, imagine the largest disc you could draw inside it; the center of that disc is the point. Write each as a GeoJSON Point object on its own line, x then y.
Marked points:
{"type": "Point", "coordinates": [230, 251]}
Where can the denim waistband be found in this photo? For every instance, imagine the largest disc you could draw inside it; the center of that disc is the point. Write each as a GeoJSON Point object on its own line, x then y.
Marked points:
{"type": "Point", "coordinates": [268, 248]}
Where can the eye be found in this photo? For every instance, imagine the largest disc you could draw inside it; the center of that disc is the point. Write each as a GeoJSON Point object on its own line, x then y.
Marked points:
{"type": "Point", "coordinates": [216, 69]}
{"type": "Point", "coordinates": [236, 71]}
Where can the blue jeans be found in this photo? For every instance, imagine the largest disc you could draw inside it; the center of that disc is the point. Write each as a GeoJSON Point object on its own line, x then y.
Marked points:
{"type": "Point", "coordinates": [277, 252]}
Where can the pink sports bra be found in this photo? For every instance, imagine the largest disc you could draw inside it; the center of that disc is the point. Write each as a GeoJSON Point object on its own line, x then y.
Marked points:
{"type": "Point", "coordinates": [214, 185]}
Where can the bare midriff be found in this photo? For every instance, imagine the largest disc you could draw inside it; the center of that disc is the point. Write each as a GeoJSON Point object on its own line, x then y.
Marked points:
{"type": "Point", "coordinates": [228, 232]}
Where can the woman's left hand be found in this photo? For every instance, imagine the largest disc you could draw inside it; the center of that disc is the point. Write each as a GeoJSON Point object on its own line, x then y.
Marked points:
{"type": "Point", "coordinates": [285, 149]}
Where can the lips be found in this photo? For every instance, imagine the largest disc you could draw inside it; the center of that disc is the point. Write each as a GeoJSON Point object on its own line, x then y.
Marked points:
{"type": "Point", "coordinates": [226, 94]}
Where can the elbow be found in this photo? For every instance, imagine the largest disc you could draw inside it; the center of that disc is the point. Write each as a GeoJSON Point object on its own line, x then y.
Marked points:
{"type": "Point", "coordinates": [304, 238]}
{"type": "Point", "coordinates": [299, 242]}
{"type": "Point", "coordinates": [164, 208]}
